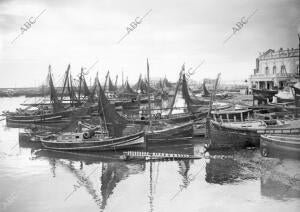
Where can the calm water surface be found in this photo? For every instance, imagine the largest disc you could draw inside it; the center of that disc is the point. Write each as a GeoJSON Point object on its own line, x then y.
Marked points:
{"type": "Point", "coordinates": [33, 179]}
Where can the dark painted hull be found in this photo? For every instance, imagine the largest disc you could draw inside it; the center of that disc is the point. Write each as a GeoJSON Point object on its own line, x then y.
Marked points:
{"type": "Point", "coordinates": [173, 119]}
{"type": "Point", "coordinates": [125, 142]}
{"type": "Point", "coordinates": [284, 145]}
{"type": "Point", "coordinates": [179, 132]}
{"type": "Point", "coordinates": [45, 118]}
{"type": "Point", "coordinates": [223, 137]}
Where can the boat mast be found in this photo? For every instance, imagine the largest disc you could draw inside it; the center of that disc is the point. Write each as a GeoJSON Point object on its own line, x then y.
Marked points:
{"type": "Point", "coordinates": [105, 123]}
{"type": "Point", "coordinates": [122, 78]}
{"type": "Point", "coordinates": [148, 91]}
{"type": "Point", "coordinates": [116, 82]}
{"type": "Point", "coordinates": [212, 95]}
{"type": "Point", "coordinates": [65, 82]}
{"type": "Point", "coordinates": [106, 80]}
{"type": "Point", "coordinates": [299, 56]}
{"type": "Point", "coordinates": [176, 90]}
{"type": "Point", "coordinates": [80, 79]}
{"type": "Point", "coordinates": [53, 94]}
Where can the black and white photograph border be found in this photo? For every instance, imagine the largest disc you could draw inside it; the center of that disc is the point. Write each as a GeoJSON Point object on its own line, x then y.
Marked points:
{"type": "Point", "coordinates": [111, 105]}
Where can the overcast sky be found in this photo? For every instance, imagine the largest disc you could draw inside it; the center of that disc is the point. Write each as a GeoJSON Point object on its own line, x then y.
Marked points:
{"type": "Point", "coordinates": [174, 32]}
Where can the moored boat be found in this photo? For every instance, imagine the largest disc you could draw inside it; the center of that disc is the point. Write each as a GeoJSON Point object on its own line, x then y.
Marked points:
{"type": "Point", "coordinates": [56, 110]}
{"type": "Point", "coordinates": [85, 141]}
{"type": "Point", "coordinates": [243, 131]}
{"type": "Point", "coordinates": [280, 144]}
{"type": "Point", "coordinates": [176, 132]}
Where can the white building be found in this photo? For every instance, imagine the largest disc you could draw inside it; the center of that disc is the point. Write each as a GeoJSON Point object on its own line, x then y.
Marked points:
{"type": "Point", "coordinates": [275, 68]}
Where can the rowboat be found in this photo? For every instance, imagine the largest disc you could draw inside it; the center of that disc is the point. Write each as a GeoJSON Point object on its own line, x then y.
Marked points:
{"type": "Point", "coordinates": [280, 144]}
{"type": "Point", "coordinates": [92, 141]}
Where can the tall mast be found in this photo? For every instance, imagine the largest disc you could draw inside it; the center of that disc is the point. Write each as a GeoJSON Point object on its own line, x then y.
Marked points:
{"type": "Point", "coordinates": [148, 91]}
{"type": "Point", "coordinates": [208, 133]}
{"type": "Point", "coordinates": [122, 78]}
{"type": "Point", "coordinates": [65, 82]}
{"type": "Point", "coordinates": [116, 82]}
{"type": "Point", "coordinates": [80, 79]}
{"type": "Point", "coordinates": [106, 81]}
{"type": "Point", "coordinates": [53, 94]}
{"type": "Point", "coordinates": [299, 56]}
{"type": "Point", "coordinates": [176, 90]}
{"type": "Point", "coordinates": [101, 104]}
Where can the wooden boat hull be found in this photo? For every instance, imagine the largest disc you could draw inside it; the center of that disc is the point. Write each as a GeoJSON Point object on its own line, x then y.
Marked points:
{"type": "Point", "coordinates": [125, 142]}
{"type": "Point", "coordinates": [240, 137]}
{"type": "Point", "coordinates": [272, 145]}
{"type": "Point", "coordinates": [178, 132]}
{"type": "Point", "coordinates": [173, 119]}
{"type": "Point", "coordinates": [45, 118]}
{"type": "Point", "coordinates": [224, 137]}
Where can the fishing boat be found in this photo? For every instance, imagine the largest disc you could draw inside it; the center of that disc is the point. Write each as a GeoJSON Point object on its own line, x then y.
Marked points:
{"type": "Point", "coordinates": [170, 114]}
{"type": "Point", "coordinates": [242, 130]}
{"type": "Point", "coordinates": [163, 131]}
{"type": "Point", "coordinates": [280, 144]}
{"type": "Point", "coordinates": [92, 141]}
{"type": "Point", "coordinates": [175, 132]}
{"type": "Point", "coordinates": [175, 118]}
{"type": "Point", "coordinates": [56, 111]}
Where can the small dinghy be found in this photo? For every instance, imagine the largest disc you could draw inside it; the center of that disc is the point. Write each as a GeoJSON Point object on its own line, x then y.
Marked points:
{"type": "Point", "coordinates": [280, 144]}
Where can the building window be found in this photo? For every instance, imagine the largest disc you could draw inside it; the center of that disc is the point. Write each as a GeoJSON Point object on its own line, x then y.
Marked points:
{"type": "Point", "coordinates": [274, 69]}
{"type": "Point", "coordinates": [267, 70]}
{"type": "Point", "coordinates": [283, 70]}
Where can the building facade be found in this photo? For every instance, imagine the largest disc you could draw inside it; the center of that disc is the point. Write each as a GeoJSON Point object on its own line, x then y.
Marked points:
{"type": "Point", "coordinates": [275, 68]}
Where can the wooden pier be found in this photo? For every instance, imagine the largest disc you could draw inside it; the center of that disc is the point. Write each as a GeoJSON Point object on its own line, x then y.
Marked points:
{"type": "Point", "coordinates": [139, 155]}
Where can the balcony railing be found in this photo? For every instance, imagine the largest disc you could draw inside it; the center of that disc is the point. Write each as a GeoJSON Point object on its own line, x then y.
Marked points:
{"type": "Point", "coordinates": [280, 54]}
{"type": "Point", "coordinates": [277, 75]}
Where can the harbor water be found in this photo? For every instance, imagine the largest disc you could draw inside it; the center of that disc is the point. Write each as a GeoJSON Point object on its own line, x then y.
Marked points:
{"type": "Point", "coordinates": [33, 179]}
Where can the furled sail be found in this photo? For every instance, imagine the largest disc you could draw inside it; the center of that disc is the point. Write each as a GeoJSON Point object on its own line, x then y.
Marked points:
{"type": "Point", "coordinates": [86, 91]}
{"type": "Point", "coordinates": [205, 91]}
{"type": "Point", "coordinates": [142, 86]}
{"type": "Point", "coordinates": [65, 81]}
{"type": "Point", "coordinates": [111, 87]}
{"type": "Point", "coordinates": [71, 91]}
{"type": "Point", "coordinates": [91, 97]}
{"type": "Point", "coordinates": [126, 90]}
{"type": "Point", "coordinates": [190, 100]}
{"type": "Point", "coordinates": [57, 106]}
{"type": "Point", "coordinates": [107, 110]}
{"type": "Point", "coordinates": [166, 83]}
{"type": "Point", "coordinates": [176, 91]}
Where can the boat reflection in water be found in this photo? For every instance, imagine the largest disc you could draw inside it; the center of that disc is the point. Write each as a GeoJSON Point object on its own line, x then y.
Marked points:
{"type": "Point", "coordinates": [222, 171]}
{"type": "Point", "coordinates": [280, 185]}
{"type": "Point", "coordinates": [99, 183]}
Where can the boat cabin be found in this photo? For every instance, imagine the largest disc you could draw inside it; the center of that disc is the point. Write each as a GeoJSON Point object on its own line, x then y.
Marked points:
{"type": "Point", "coordinates": [232, 115]}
